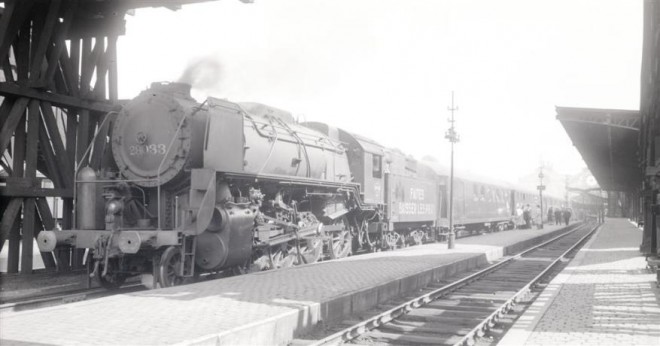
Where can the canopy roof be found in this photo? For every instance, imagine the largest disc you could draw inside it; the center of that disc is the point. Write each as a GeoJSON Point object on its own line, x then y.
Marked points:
{"type": "Point", "coordinates": [607, 139]}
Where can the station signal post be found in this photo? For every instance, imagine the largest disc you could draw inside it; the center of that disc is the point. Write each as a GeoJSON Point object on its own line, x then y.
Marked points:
{"type": "Point", "coordinates": [453, 137]}
{"type": "Point", "coordinates": [541, 187]}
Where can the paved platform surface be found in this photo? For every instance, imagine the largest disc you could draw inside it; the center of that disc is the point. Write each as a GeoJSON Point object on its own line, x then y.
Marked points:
{"type": "Point", "coordinates": [262, 308]}
{"type": "Point", "coordinates": [604, 297]}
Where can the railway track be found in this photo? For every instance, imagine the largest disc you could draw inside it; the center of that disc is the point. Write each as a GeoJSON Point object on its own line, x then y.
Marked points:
{"type": "Point", "coordinates": [460, 312]}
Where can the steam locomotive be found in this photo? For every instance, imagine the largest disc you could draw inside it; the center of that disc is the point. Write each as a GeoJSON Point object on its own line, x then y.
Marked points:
{"type": "Point", "coordinates": [189, 188]}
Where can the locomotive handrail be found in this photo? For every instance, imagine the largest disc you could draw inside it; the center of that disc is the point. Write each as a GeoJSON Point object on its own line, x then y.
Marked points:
{"type": "Point", "coordinates": [167, 152]}
{"type": "Point", "coordinates": [301, 143]}
{"type": "Point", "coordinates": [272, 146]}
{"type": "Point", "coordinates": [332, 147]}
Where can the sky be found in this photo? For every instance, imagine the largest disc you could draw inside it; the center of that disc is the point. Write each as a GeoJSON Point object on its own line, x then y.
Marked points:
{"type": "Point", "coordinates": [386, 69]}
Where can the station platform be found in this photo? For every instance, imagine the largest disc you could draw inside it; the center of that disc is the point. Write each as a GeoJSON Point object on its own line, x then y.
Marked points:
{"type": "Point", "coordinates": [264, 308]}
{"type": "Point", "coordinates": [605, 296]}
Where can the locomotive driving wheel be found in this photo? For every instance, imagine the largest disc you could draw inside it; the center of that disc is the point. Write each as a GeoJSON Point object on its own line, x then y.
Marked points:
{"type": "Point", "coordinates": [417, 237]}
{"type": "Point", "coordinates": [169, 268]}
{"type": "Point", "coordinates": [390, 239]}
{"type": "Point", "coordinates": [282, 256]}
{"type": "Point", "coordinates": [341, 241]}
{"type": "Point", "coordinates": [310, 250]}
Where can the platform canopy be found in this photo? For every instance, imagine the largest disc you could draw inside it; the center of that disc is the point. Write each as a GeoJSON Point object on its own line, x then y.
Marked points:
{"type": "Point", "coordinates": [607, 139]}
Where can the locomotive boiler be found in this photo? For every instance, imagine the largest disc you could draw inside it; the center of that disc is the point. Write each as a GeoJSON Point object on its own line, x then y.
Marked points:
{"type": "Point", "coordinates": [193, 188]}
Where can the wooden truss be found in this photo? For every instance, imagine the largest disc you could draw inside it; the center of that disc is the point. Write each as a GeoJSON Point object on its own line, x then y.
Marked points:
{"type": "Point", "coordinates": [58, 81]}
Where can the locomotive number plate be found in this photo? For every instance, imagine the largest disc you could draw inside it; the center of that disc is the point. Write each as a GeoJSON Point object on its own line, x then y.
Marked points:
{"type": "Point", "coordinates": [151, 149]}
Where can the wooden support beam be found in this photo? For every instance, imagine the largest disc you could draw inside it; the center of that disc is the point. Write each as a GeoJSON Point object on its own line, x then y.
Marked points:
{"type": "Point", "coordinates": [27, 235]}
{"type": "Point", "coordinates": [71, 131]}
{"type": "Point", "coordinates": [22, 52]}
{"type": "Point", "coordinates": [12, 121]}
{"type": "Point", "coordinates": [86, 66]}
{"type": "Point", "coordinates": [58, 84]}
{"type": "Point", "coordinates": [93, 27]}
{"type": "Point", "coordinates": [52, 163]}
{"type": "Point", "coordinates": [5, 107]}
{"type": "Point", "coordinates": [100, 144]}
{"type": "Point", "coordinates": [36, 20]}
{"type": "Point", "coordinates": [29, 204]}
{"type": "Point", "coordinates": [33, 120]}
{"type": "Point", "coordinates": [63, 160]}
{"type": "Point", "coordinates": [46, 223]}
{"type": "Point", "coordinates": [60, 41]}
{"type": "Point", "coordinates": [16, 191]}
{"type": "Point", "coordinates": [64, 255]}
{"type": "Point", "coordinates": [45, 214]}
{"type": "Point", "coordinates": [19, 147]}
{"type": "Point", "coordinates": [7, 69]}
{"type": "Point", "coordinates": [112, 70]}
{"type": "Point", "coordinates": [69, 67]}
{"type": "Point", "coordinates": [102, 70]}
{"type": "Point", "coordinates": [45, 32]}
{"type": "Point", "coordinates": [14, 90]}
{"type": "Point", "coordinates": [83, 138]}
{"type": "Point", "coordinates": [11, 20]}
{"type": "Point", "coordinates": [8, 219]}
{"type": "Point", "coordinates": [74, 66]}
{"type": "Point", "coordinates": [14, 253]}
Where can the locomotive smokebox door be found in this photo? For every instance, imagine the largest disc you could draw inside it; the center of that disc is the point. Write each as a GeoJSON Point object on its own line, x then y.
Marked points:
{"type": "Point", "coordinates": [151, 138]}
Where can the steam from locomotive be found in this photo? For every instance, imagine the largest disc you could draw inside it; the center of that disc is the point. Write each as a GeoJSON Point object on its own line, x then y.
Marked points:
{"type": "Point", "coordinates": [202, 73]}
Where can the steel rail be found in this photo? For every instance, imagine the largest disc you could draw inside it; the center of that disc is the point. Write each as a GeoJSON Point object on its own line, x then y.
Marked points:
{"type": "Point", "coordinates": [374, 322]}
{"type": "Point", "coordinates": [480, 329]}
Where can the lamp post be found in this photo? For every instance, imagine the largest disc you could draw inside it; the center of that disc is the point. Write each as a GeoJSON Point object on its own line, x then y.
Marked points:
{"type": "Point", "coordinates": [453, 137]}
{"type": "Point", "coordinates": [541, 188]}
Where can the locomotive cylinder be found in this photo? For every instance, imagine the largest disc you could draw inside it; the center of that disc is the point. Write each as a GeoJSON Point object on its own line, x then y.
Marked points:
{"type": "Point", "coordinates": [86, 196]}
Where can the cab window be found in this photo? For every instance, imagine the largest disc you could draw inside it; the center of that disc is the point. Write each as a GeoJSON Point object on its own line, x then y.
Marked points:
{"type": "Point", "coordinates": [377, 166]}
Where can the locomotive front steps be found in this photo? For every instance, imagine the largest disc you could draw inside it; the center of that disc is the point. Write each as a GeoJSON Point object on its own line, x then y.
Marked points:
{"type": "Point", "coordinates": [266, 308]}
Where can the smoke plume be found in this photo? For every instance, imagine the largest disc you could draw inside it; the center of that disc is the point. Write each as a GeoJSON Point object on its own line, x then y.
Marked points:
{"type": "Point", "coordinates": [202, 73]}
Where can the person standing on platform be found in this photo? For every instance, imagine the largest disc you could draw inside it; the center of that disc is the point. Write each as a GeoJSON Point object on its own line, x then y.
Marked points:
{"type": "Point", "coordinates": [567, 215]}
{"type": "Point", "coordinates": [558, 215]}
{"type": "Point", "coordinates": [527, 216]}
{"type": "Point", "coordinates": [550, 215]}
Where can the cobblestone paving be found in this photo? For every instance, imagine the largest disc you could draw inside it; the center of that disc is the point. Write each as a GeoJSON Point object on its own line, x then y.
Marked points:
{"type": "Point", "coordinates": [181, 314]}
{"type": "Point", "coordinates": [604, 297]}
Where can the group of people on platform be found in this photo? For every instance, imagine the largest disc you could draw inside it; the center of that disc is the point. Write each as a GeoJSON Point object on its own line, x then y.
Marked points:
{"type": "Point", "coordinates": [532, 216]}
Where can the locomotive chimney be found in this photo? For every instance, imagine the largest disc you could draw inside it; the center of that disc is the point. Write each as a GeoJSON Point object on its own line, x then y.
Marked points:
{"type": "Point", "coordinates": [173, 88]}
